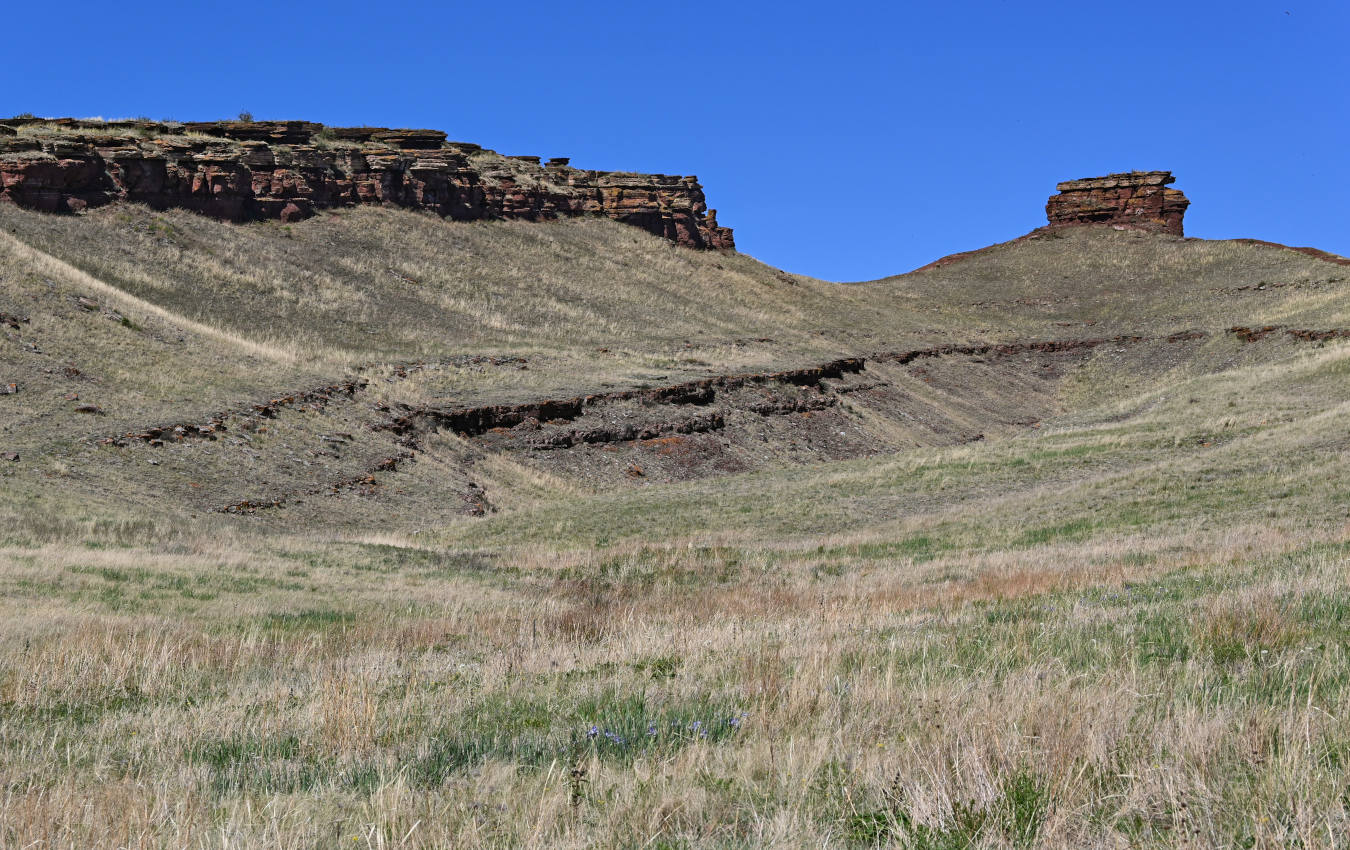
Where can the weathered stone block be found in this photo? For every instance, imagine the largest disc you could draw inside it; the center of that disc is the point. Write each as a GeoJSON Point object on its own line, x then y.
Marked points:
{"type": "Point", "coordinates": [1137, 199]}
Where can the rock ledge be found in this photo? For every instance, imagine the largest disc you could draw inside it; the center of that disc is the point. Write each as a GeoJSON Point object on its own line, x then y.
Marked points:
{"type": "Point", "coordinates": [288, 170]}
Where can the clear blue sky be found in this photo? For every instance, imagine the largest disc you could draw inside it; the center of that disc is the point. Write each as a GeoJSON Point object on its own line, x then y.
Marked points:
{"type": "Point", "coordinates": [841, 139]}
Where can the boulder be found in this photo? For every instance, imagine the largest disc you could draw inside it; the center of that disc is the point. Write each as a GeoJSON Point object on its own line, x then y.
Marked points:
{"type": "Point", "coordinates": [292, 212]}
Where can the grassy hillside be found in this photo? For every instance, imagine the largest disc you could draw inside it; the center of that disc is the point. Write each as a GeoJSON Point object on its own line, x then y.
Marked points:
{"type": "Point", "coordinates": [1084, 594]}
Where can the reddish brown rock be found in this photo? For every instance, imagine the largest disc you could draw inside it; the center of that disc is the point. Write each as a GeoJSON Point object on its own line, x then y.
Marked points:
{"type": "Point", "coordinates": [248, 171]}
{"type": "Point", "coordinates": [1137, 199]}
{"type": "Point", "coordinates": [46, 182]}
{"type": "Point", "coordinates": [292, 212]}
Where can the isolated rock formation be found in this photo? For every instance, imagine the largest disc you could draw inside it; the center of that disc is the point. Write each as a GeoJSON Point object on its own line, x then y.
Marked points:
{"type": "Point", "coordinates": [1137, 199]}
{"type": "Point", "coordinates": [248, 171]}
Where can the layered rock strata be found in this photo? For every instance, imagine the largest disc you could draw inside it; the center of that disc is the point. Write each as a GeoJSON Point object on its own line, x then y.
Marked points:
{"type": "Point", "coordinates": [287, 170]}
{"type": "Point", "coordinates": [1138, 200]}
{"type": "Point", "coordinates": [473, 421]}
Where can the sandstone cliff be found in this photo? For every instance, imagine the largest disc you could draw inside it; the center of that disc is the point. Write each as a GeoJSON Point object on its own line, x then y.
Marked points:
{"type": "Point", "coordinates": [248, 171]}
{"type": "Point", "coordinates": [1138, 199]}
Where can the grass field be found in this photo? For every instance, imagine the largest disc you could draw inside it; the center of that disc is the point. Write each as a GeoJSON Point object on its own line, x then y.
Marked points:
{"type": "Point", "coordinates": [1126, 625]}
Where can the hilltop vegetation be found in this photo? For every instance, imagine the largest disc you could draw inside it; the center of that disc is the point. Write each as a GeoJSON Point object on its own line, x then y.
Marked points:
{"type": "Point", "coordinates": [1060, 562]}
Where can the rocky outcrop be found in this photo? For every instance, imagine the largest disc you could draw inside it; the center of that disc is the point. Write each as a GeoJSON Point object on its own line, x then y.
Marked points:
{"type": "Point", "coordinates": [287, 170]}
{"type": "Point", "coordinates": [1137, 199]}
{"type": "Point", "coordinates": [1247, 334]}
{"type": "Point", "coordinates": [472, 421]}
{"type": "Point", "coordinates": [1011, 349]}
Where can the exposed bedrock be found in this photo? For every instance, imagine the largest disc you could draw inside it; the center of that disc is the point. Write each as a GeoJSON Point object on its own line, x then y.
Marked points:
{"type": "Point", "coordinates": [248, 171]}
{"type": "Point", "coordinates": [1137, 199]}
{"type": "Point", "coordinates": [472, 421]}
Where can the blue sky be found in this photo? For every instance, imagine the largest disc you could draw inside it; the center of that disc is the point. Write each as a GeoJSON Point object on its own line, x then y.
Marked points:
{"type": "Point", "coordinates": [843, 140]}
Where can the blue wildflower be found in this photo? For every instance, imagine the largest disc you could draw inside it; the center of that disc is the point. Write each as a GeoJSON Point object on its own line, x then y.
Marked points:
{"type": "Point", "coordinates": [592, 732]}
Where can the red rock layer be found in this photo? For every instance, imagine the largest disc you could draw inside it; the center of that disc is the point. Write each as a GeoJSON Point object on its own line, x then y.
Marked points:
{"type": "Point", "coordinates": [247, 171]}
{"type": "Point", "coordinates": [1138, 199]}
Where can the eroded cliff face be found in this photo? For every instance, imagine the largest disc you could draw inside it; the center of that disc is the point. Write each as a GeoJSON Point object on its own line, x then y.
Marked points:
{"type": "Point", "coordinates": [248, 171]}
{"type": "Point", "coordinates": [1138, 199]}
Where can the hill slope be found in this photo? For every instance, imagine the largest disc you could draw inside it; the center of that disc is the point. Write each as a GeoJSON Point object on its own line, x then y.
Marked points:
{"type": "Point", "coordinates": [382, 527]}
{"type": "Point", "coordinates": [163, 320]}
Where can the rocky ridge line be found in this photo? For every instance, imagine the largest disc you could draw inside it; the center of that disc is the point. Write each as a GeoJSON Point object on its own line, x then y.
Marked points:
{"type": "Point", "coordinates": [287, 170]}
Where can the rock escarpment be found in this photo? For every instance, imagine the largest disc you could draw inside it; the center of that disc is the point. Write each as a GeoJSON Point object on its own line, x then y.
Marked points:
{"type": "Point", "coordinates": [1138, 199]}
{"type": "Point", "coordinates": [287, 170]}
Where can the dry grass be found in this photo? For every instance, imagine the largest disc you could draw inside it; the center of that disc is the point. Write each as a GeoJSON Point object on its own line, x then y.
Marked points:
{"type": "Point", "coordinates": [1125, 627]}
{"type": "Point", "coordinates": [20, 254]}
{"type": "Point", "coordinates": [1017, 700]}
